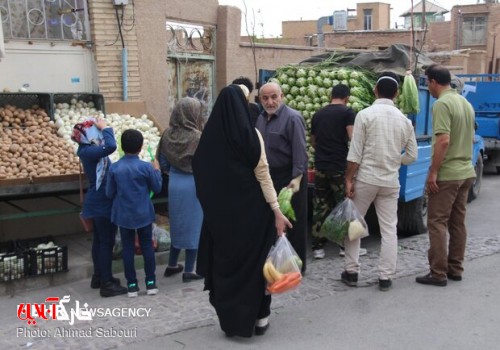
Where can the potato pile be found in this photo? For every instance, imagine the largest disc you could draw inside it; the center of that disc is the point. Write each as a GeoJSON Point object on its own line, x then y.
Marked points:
{"type": "Point", "coordinates": [30, 146]}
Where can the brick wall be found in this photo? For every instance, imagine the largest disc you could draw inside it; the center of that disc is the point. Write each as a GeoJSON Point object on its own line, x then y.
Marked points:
{"type": "Point", "coordinates": [108, 50]}
{"type": "Point", "coordinates": [439, 36]}
{"type": "Point", "coordinates": [369, 39]}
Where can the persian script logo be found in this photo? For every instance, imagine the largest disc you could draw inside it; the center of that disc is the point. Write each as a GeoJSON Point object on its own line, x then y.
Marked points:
{"type": "Point", "coordinates": [53, 309]}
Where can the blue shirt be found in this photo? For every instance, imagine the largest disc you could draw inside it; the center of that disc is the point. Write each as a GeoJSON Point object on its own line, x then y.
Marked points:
{"type": "Point", "coordinates": [96, 204]}
{"type": "Point", "coordinates": [284, 137]}
{"type": "Point", "coordinates": [129, 182]}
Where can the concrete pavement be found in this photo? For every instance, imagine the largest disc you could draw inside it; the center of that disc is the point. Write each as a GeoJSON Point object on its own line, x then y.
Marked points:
{"type": "Point", "coordinates": [321, 314]}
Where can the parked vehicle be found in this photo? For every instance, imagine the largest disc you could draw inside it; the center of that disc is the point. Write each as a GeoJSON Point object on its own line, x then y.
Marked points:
{"type": "Point", "coordinates": [412, 206]}
{"type": "Point", "coordinates": [483, 92]}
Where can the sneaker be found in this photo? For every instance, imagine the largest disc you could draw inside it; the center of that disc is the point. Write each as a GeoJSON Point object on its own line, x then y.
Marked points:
{"type": "Point", "coordinates": [362, 251]}
{"type": "Point", "coordinates": [170, 271]}
{"type": "Point", "coordinates": [319, 253]}
{"type": "Point", "coordinates": [111, 289]}
{"type": "Point", "coordinates": [351, 279]}
{"type": "Point", "coordinates": [151, 288]}
{"type": "Point", "coordinates": [384, 285]}
{"type": "Point", "coordinates": [133, 290]}
{"type": "Point", "coordinates": [431, 280]}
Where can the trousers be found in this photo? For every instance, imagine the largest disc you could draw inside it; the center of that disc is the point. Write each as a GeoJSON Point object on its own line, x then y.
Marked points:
{"type": "Point", "coordinates": [446, 214]}
{"type": "Point", "coordinates": [385, 200]}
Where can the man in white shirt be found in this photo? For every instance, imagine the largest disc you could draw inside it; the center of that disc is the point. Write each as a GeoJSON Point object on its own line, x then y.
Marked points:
{"type": "Point", "coordinates": [380, 134]}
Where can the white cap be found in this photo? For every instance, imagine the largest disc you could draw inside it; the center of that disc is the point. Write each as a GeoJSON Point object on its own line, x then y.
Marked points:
{"type": "Point", "coordinates": [245, 90]}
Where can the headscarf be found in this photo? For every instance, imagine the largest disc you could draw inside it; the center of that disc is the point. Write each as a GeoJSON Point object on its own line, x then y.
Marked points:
{"type": "Point", "coordinates": [86, 133]}
{"type": "Point", "coordinates": [179, 142]}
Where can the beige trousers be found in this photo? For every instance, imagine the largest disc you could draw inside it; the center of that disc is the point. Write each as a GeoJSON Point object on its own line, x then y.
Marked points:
{"type": "Point", "coordinates": [385, 200]}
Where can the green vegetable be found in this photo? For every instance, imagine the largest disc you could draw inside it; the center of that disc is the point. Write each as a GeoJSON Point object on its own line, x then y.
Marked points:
{"type": "Point", "coordinates": [285, 202]}
{"type": "Point", "coordinates": [334, 230]}
{"type": "Point", "coordinates": [409, 96]}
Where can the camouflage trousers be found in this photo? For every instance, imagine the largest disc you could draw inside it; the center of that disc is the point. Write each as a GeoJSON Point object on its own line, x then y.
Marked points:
{"type": "Point", "coordinates": [329, 191]}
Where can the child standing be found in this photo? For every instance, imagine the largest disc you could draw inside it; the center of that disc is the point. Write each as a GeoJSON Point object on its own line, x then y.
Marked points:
{"type": "Point", "coordinates": [130, 181]}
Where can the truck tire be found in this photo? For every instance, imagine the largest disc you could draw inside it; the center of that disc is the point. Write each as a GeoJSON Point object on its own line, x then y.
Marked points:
{"type": "Point", "coordinates": [498, 169]}
{"type": "Point", "coordinates": [476, 186]}
{"type": "Point", "coordinates": [412, 217]}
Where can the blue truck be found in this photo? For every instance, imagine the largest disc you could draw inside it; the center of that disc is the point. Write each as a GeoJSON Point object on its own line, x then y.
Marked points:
{"type": "Point", "coordinates": [412, 205]}
{"type": "Point", "coordinates": [483, 92]}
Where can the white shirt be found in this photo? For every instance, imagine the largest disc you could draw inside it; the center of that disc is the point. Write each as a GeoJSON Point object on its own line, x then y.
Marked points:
{"type": "Point", "coordinates": [380, 134]}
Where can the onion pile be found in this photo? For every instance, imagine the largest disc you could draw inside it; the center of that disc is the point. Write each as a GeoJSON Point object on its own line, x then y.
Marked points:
{"type": "Point", "coordinates": [67, 115]}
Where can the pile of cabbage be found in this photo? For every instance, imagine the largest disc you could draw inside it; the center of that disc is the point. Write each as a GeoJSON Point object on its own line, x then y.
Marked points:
{"type": "Point", "coordinates": [308, 89]}
{"type": "Point", "coordinates": [66, 115]}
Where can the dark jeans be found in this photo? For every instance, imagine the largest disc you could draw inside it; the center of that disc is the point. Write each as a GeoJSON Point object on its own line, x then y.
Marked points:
{"type": "Point", "coordinates": [102, 247]}
{"type": "Point", "coordinates": [145, 235]}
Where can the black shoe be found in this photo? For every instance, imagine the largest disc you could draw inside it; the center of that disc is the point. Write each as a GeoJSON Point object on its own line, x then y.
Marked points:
{"type": "Point", "coordinates": [351, 279]}
{"type": "Point", "coordinates": [431, 280]}
{"type": "Point", "coordinates": [454, 277]}
{"type": "Point", "coordinates": [384, 285]}
{"type": "Point", "coordinates": [261, 330]}
{"type": "Point", "coordinates": [111, 289]}
{"type": "Point", "coordinates": [95, 282]}
{"type": "Point", "coordinates": [170, 271]}
{"type": "Point", "coordinates": [190, 276]}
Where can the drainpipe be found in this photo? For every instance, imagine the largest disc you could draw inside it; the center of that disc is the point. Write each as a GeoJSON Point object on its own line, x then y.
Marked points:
{"type": "Point", "coordinates": [319, 28]}
{"type": "Point", "coordinates": [124, 59]}
{"type": "Point", "coordinates": [124, 73]}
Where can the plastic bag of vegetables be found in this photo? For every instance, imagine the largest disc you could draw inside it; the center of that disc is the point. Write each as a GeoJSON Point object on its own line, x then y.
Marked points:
{"type": "Point", "coordinates": [408, 97]}
{"type": "Point", "coordinates": [345, 221]}
{"type": "Point", "coordinates": [285, 202]}
{"type": "Point", "coordinates": [282, 267]}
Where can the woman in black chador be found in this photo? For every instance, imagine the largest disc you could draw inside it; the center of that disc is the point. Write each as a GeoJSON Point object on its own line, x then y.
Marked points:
{"type": "Point", "coordinates": [241, 215]}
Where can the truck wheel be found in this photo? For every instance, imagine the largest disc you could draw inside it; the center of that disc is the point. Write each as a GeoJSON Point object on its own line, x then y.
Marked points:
{"type": "Point", "coordinates": [498, 169]}
{"type": "Point", "coordinates": [476, 185]}
{"type": "Point", "coordinates": [412, 217]}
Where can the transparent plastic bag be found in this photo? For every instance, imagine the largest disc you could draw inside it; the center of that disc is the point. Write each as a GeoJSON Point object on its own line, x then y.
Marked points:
{"type": "Point", "coordinates": [345, 221]}
{"type": "Point", "coordinates": [282, 267]}
{"type": "Point", "coordinates": [162, 236]}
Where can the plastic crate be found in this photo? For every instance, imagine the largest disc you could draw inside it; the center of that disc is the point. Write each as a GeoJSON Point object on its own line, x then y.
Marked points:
{"type": "Point", "coordinates": [31, 243]}
{"type": "Point", "coordinates": [13, 266]}
{"type": "Point", "coordinates": [46, 261]}
{"type": "Point", "coordinates": [27, 100]}
{"type": "Point", "coordinates": [97, 99]}
{"type": "Point", "coordinates": [6, 247]}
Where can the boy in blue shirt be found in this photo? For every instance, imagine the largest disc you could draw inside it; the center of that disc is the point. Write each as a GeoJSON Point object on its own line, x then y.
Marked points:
{"type": "Point", "coordinates": [130, 181]}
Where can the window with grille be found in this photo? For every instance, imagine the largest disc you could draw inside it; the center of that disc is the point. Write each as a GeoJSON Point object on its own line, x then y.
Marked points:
{"type": "Point", "coordinates": [474, 30]}
{"type": "Point", "coordinates": [45, 19]}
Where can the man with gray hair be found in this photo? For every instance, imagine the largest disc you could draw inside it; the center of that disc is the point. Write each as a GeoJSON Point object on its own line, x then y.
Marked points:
{"type": "Point", "coordinates": [284, 133]}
